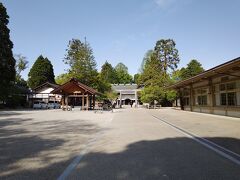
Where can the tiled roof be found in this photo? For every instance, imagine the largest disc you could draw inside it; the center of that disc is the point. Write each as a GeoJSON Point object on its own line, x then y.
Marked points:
{"type": "Point", "coordinates": [46, 84]}
{"type": "Point", "coordinates": [118, 87]}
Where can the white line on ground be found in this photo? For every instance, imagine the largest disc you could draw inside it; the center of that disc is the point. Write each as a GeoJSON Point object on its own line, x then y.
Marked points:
{"type": "Point", "coordinates": [205, 142]}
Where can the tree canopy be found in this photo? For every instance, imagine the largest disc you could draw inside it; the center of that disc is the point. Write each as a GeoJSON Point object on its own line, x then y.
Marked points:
{"type": "Point", "coordinates": [82, 64]}
{"type": "Point", "coordinates": [7, 61]}
{"type": "Point", "coordinates": [123, 76]}
{"type": "Point", "coordinates": [108, 73]}
{"type": "Point", "coordinates": [63, 78]}
{"type": "Point", "coordinates": [41, 72]}
{"type": "Point", "coordinates": [146, 57]}
{"type": "Point", "coordinates": [193, 68]}
{"type": "Point", "coordinates": [167, 54]}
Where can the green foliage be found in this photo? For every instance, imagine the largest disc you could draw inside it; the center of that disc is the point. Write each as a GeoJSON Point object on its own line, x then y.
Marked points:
{"type": "Point", "coordinates": [146, 58]}
{"type": "Point", "coordinates": [171, 95]}
{"type": "Point", "coordinates": [151, 93]}
{"type": "Point", "coordinates": [136, 79]}
{"type": "Point", "coordinates": [81, 61]}
{"type": "Point", "coordinates": [176, 75]}
{"type": "Point", "coordinates": [193, 68]}
{"type": "Point", "coordinates": [21, 65]}
{"type": "Point", "coordinates": [167, 54]}
{"type": "Point", "coordinates": [108, 73]}
{"type": "Point", "coordinates": [152, 74]}
{"type": "Point", "coordinates": [7, 61]}
{"type": "Point", "coordinates": [82, 66]}
{"type": "Point", "coordinates": [155, 75]}
{"type": "Point", "coordinates": [63, 78]}
{"type": "Point", "coordinates": [123, 76]}
{"type": "Point", "coordinates": [41, 72]}
{"type": "Point", "coordinates": [101, 85]}
{"type": "Point", "coordinates": [112, 95]}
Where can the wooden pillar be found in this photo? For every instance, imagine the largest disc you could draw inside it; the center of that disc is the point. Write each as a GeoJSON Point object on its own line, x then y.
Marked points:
{"type": "Point", "coordinates": [94, 101]}
{"type": "Point", "coordinates": [211, 95]}
{"type": "Point", "coordinates": [181, 99]}
{"type": "Point", "coordinates": [87, 104]}
{"type": "Point", "coordinates": [83, 101]}
{"type": "Point", "coordinates": [191, 97]}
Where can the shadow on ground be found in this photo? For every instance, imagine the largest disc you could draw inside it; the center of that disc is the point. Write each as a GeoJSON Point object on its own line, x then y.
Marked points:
{"type": "Point", "coordinates": [18, 145]}
{"type": "Point", "coordinates": [171, 158]}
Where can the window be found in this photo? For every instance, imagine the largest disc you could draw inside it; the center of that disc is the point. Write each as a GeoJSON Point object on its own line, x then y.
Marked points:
{"type": "Point", "coordinates": [231, 86]}
{"type": "Point", "coordinates": [186, 101]}
{"type": "Point", "coordinates": [186, 96]}
{"type": "Point", "coordinates": [227, 86]}
{"type": "Point", "coordinates": [228, 96]}
{"type": "Point", "coordinates": [201, 96]}
{"type": "Point", "coordinates": [231, 99]}
{"type": "Point", "coordinates": [202, 100]}
{"type": "Point", "coordinates": [223, 98]}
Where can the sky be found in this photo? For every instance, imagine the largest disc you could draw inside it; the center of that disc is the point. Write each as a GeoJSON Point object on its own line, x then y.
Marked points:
{"type": "Point", "coordinates": [124, 30]}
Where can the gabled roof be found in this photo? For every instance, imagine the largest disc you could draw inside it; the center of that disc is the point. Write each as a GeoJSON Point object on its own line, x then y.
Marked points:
{"type": "Point", "coordinates": [46, 84]}
{"type": "Point", "coordinates": [118, 87]}
{"type": "Point", "coordinates": [74, 82]}
{"type": "Point", "coordinates": [223, 69]}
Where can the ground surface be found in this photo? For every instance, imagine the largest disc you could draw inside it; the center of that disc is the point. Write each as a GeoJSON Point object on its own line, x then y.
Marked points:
{"type": "Point", "coordinates": [126, 144]}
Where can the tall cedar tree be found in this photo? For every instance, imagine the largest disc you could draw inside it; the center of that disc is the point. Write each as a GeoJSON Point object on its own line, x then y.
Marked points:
{"type": "Point", "coordinates": [152, 79]}
{"type": "Point", "coordinates": [41, 72]}
{"type": "Point", "coordinates": [167, 54]}
{"type": "Point", "coordinates": [108, 73]}
{"type": "Point", "coordinates": [7, 61]}
{"type": "Point", "coordinates": [82, 63]}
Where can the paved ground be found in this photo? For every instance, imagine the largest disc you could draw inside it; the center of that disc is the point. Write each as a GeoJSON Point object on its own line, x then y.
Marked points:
{"type": "Point", "coordinates": [41, 144]}
{"type": "Point", "coordinates": [126, 144]}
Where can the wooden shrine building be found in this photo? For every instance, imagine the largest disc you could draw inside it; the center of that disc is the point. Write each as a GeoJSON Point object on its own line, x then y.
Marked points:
{"type": "Point", "coordinates": [75, 93]}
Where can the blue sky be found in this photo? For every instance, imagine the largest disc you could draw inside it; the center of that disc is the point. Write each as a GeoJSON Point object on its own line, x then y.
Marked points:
{"type": "Point", "coordinates": [123, 30]}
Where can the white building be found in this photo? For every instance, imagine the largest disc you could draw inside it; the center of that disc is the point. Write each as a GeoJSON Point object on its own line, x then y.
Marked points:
{"type": "Point", "coordinates": [127, 94]}
{"type": "Point", "coordinates": [43, 93]}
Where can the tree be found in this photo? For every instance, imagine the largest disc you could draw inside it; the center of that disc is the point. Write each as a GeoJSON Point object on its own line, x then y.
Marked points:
{"type": "Point", "coordinates": [146, 57]}
{"type": "Point", "coordinates": [152, 74]}
{"type": "Point", "coordinates": [41, 72]}
{"type": "Point", "coordinates": [176, 75]}
{"type": "Point", "coordinates": [108, 73]}
{"type": "Point", "coordinates": [122, 74]}
{"type": "Point", "coordinates": [151, 78]}
{"type": "Point", "coordinates": [21, 65]}
{"type": "Point", "coordinates": [7, 61]}
{"type": "Point", "coordinates": [81, 61]}
{"type": "Point", "coordinates": [136, 79]}
{"type": "Point", "coordinates": [193, 68]}
{"type": "Point", "coordinates": [155, 76]}
{"type": "Point", "coordinates": [63, 78]}
{"type": "Point", "coordinates": [167, 54]}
